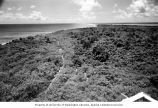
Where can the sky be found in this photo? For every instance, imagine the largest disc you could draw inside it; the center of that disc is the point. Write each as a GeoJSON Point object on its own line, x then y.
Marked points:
{"type": "Point", "coordinates": [77, 11]}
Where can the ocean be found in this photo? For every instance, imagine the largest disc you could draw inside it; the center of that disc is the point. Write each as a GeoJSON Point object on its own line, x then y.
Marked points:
{"type": "Point", "coordinates": [10, 32]}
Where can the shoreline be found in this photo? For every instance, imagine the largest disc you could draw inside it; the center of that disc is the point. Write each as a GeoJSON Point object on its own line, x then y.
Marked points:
{"type": "Point", "coordinates": [27, 34]}
{"type": "Point", "coordinates": [84, 26]}
{"type": "Point", "coordinates": [107, 61]}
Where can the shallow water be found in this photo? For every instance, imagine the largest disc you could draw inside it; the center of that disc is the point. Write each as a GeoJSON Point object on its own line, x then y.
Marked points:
{"type": "Point", "coordinates": [9, 32]}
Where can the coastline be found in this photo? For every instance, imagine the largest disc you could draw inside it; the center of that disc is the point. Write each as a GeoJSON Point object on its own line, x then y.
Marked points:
{"type": "Point", "coordinates": [102, 63]}
{"type": "Point", "coordinates": [79, 26]}
{"type": "Point", "coordinates": [22, 34]}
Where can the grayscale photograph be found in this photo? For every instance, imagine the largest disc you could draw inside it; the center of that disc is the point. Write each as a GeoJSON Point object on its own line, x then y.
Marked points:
{"type": "Point", "coordinates": [78, 51]}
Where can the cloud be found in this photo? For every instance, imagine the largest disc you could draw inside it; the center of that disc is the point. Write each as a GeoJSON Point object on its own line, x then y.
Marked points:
{"type": "Point", "coordinates": [155, 2]}
{"type": "Point", "coordinates": [87, 7]}
{"type": "Point", "coordinates": [20, 16]}
{"type": "Point", "coordinates": [14, 8]}
{"type": "Point", "coordinates": [32, 6]}
{"type": "Point", "coordinates": [138, 8]}
{"type": "Point", "coordinates": [1, 12]}
{"type": "Point", "coordinates": [19, 9]}
{"type": "Point", "coordinates": [9, 9]}
{"type": "Point", "coordinates": [34, 15]}
{"type": "Point", "coordinates": [12, 16]}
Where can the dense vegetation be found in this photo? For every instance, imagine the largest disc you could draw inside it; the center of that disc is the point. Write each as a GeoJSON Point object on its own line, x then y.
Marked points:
{"type": "Point", "coordinates": [99, 64]}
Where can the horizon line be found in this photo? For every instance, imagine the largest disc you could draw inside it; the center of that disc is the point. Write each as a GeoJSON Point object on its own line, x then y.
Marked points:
{"type": "Point", "coordinates": [86, 23]}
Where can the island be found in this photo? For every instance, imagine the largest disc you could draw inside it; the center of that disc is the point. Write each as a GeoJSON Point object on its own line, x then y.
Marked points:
{"type": "Point", "coordinates": [93, 64]}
